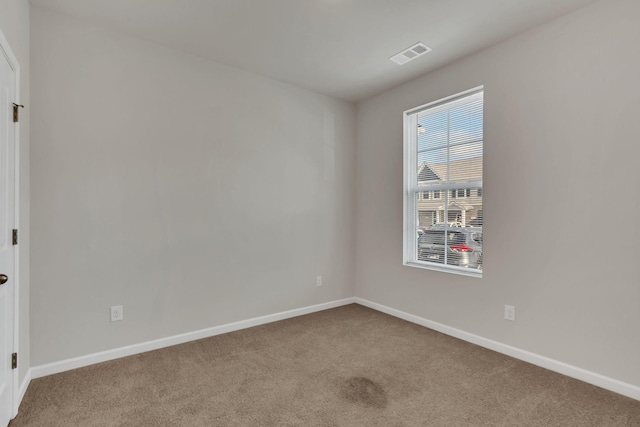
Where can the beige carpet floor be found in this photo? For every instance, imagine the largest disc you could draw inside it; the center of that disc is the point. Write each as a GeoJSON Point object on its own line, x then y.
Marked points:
{"type": "Point", "coordinates": [349, 366]}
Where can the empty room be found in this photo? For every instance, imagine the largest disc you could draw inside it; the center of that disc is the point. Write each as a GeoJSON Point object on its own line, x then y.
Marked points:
{"type": "Point", "coordinates": [272, 213]}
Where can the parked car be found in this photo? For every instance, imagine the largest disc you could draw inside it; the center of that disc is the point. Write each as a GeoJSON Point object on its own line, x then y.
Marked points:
{"type": "Point", "coordinates": [476, 222]}
{"type": "Point", "coordinates": [450, 224]}
{"type": "Point", "coordinates": [421, 230]}
{"type": "Point", "coordinates": [464, 246]}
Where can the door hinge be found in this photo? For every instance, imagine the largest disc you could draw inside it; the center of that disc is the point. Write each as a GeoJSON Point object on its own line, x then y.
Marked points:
{"type": "Point", "coordinates": [15, 236]}
{"type": "Point", "coordinates": [16, 117]}
{"type": "Point", "coordinates": [14, 361]}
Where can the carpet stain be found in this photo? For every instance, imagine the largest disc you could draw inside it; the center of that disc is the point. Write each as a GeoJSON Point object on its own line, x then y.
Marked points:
{"type": "Point", "coordinates": [363, 391]}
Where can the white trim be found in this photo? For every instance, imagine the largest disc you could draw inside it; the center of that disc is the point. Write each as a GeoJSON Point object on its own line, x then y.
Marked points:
{"type": "Point", "coordinates": [23, 389]}
{"type": "Point", "coordinates": [593, 378]}
{"type": "Point", "coordinates": [409, 204]}
{"type": "Point", "coordinates": [5, 48]}
{"type": "Point", "coordinates": [450, 101]}
{"type": "Point", "coordinates": [462, 271]}
{"type": "Point", "coordinates": [103, 356]}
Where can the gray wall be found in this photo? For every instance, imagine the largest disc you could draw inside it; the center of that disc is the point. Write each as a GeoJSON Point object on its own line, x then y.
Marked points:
{"type": "Point", "coordinates": [14, 22]}
{"type": "Point", "coordinates": [196, 194]}
{"type": "Point", "coordinates": [561, 157]}
{"type": "Point", "coordinates": [192, 193]}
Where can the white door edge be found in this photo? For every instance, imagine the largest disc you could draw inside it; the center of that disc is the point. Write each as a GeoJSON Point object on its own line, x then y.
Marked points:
{"type": "Point", "coordinates": [5, 49]}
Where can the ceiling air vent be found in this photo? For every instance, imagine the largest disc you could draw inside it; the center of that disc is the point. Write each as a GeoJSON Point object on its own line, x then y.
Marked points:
{"type": "Point", "coordinates": [411, 53]}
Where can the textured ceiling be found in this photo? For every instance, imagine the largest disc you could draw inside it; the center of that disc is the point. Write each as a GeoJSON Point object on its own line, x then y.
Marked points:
{"type": "Point", "coordinates": [335, 47]}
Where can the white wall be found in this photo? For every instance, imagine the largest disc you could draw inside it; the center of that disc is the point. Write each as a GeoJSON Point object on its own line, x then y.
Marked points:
{"type": "Point", "coordinates": [14, 23]}
{"type": "Point", "coordinates": [192, 193]}
{"type": "Point", "coordinates": [562, 109]}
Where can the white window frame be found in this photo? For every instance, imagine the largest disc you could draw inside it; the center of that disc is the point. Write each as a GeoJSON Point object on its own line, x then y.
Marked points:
{"type": "Point", "coordinates": [410, 207]}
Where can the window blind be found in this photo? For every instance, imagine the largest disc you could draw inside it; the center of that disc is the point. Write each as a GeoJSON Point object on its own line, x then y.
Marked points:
{"type": "Point", "coordinates": [443, 184]}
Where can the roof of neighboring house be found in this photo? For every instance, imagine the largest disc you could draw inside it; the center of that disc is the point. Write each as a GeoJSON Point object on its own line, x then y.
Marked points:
{"type": "Point", "coordinates": [425, 173]}
{"type": "Point", "coordinates": [457, 206]}
{"type": "Point", "coordinates": [459, 171]}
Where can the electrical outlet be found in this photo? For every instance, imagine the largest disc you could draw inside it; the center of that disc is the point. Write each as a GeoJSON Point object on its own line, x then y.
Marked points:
{"type": "Point", "coordinates": [318, 280]}
{"type": "Point", "coordinates": [509, 312]}
{"type": "Point", "coordinates": [116, 313]}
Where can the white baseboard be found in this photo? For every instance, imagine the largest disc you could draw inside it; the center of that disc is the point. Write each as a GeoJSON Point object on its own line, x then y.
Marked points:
{"type": "Point", "coordinates": [602, 381]}
{"type": "Point", "coordinates": [21, 391]}
{"type": "Point", "coordinates": [605, 382]}
{"type": "Point", "coordinates": [103, 356]}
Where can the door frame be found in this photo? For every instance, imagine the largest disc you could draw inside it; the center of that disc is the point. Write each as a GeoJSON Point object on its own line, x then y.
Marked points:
{"type": "Point", "coordinates": [5, 49]}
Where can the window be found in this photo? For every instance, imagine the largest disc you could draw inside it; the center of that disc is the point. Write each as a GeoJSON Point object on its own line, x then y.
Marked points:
{"type": "Point", "coordinates": [443, 143]}
{"type": "Point", "coordinates": [460, 192]}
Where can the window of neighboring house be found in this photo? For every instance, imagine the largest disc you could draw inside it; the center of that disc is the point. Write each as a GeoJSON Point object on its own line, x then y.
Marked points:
{"type": "Point", "coordinates": [460, 192]}
{"type": "Point", "coordinates": [443, 147]}
{"type": "Point", "coordinates": [425, 195]}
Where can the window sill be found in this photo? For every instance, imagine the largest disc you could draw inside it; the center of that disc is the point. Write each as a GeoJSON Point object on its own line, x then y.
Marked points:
{"type": "Point", "coordinates": [470, 272]}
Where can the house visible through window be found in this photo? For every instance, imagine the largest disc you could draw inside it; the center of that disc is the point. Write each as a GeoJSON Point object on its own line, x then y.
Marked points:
{"type": "Point", "coordinates": [443, 158]}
